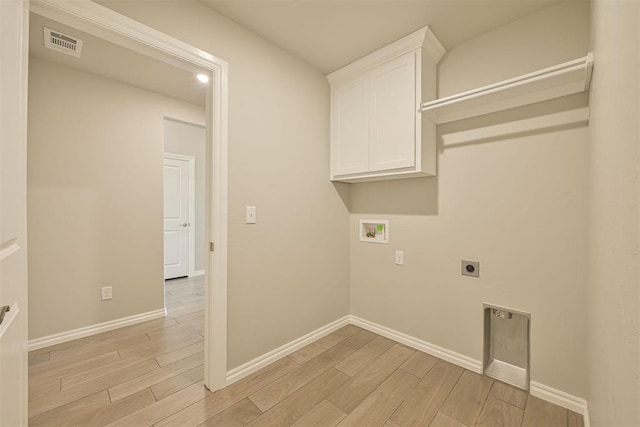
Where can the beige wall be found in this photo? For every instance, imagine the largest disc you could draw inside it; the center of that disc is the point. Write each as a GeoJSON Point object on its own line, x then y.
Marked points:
{"type": "Point", "coordinates": [190, 140]}
{"type": "Point", "coordinates": [524, 206]}
{"type": "Point", "coordinates": [94, 197]}
{"type": "Point", "coordinates": [515, 204]}
{"type": "Point", "coordinates": [548, 37]}
{"type": "Point", "coordinates": [614, 185]}
{"type": "Point", "coordinates": [289, 273]}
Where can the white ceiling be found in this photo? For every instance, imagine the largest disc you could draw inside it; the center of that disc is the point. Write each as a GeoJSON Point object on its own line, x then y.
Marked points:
{"type": "Point", "coordinates": [329, 34]}
{"type": "Point", "coordinates": [117, 63]}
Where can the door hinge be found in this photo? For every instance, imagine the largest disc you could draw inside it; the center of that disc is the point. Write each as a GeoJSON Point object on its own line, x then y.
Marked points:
{"type": "Point", "coordinates": [211, 247]}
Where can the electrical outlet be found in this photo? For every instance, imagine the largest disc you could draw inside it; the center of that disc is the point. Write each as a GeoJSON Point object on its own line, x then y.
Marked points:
{"type": "Point", "coordinates": [471, 268]}
{"type": "Point", "coordinates": [399, 257]}
{"type": "Point", "coordinates": [107, 293]}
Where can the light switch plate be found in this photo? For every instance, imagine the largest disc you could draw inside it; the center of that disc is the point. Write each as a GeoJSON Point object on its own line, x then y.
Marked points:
{"type": "Point", "coordinates": [251, 215]}
{"type": "Point", "coordinates": [399, 257]}
{"type": "Point", "coordinates": [107, 293]}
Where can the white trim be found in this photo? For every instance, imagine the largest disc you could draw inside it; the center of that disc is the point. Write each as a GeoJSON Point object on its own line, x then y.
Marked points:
{"type": "Point", "coordinates": [517, 127]}
{"type": "Point", "coordinates": [432, 349]}
{"type": "Point", "coordinates": [102, 22]}
{"type": "Point", "coordinates": [282, 351]}
{"type": "Point", "coordinates": [74, 334]}
{"type": "Point", "coordinates": [432, 45]}
{"type": "Point", "coordinates": [560, 398]}
{"type": "Point", "coordinates": [541, 85]}
{"type": "Point", "coordinates": [423, 38]}
{"type": "Point", "coordinates": [197, 273]}
{"type": "Point", "coordinates": [192, 206]}
{"type": "Point", "coordinates": [14, 54]}
{"type": "Point", "coordinates": [9, 250]}
{"type": "Point", "coordinates": [215, 372]}
{"type": "Point", "coordinates": [105, 23]}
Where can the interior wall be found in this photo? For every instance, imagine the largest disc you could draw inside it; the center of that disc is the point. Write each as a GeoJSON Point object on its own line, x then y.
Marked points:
{"type": "Point", "coordinates": [545, 38]}
{"type": "Point", "coordinates": [614, 186]}
{"type": "Point", "coordinates": [289, 272]}
{"type": "Point", "coordinates": [515, 204]}
{"type": "Point", "coordinates": [95, 151]}
{"type": "Point", "coordinates": [190, 140]}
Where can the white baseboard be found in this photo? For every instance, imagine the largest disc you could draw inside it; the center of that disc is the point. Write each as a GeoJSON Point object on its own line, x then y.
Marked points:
{"type": "Point", "coordinates": [560, 398]}
{"type": "Point", "coordinates": [197, 273]}
{"type": "Point", "coordinates": [557, 397]}
{"type": "Point", "coordinates": [432, 349]}
{"type": "Point", "coordinates": [282, 351]}
{"type": "Point", "coordinates": [61, 337]}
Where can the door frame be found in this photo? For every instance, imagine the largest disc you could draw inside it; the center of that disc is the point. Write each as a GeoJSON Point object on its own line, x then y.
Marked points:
{"type": "Point", "coordinates": [105, 23]}
{"type": "Point", "coordinates": [192, 206]}
{"type": "Point", "coordinates": [13, 228]}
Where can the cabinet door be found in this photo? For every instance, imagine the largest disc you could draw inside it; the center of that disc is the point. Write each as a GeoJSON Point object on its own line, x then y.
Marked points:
{"type": "Point", "coordinates": [350, 126]}
{"type": "Point", "coordinates": [393, 114]}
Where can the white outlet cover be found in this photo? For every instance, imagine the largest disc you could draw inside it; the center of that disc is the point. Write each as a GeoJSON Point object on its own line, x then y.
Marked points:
{"type": "Point", "coordinates": [399, 257]}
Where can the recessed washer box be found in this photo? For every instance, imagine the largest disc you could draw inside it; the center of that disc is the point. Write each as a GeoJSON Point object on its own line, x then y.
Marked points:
{"type": "Point", "coordinates": [507, 345]}
{"type": "Point", "coordinates": [374, 230]}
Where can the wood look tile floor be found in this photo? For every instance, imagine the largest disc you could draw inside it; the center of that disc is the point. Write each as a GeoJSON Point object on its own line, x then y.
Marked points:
{"type": "Point", "coordinates": [151, 374]}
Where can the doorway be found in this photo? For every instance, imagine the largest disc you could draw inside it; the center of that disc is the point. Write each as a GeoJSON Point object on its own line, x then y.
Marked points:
{"type": "Point", "coordinates": [184, 175]}
{"type": "Point", "coordinates": [104, 23]}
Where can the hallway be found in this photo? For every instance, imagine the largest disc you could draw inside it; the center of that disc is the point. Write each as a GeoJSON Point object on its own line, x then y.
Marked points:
{"type": "Point", "coordinates": [101, 378]}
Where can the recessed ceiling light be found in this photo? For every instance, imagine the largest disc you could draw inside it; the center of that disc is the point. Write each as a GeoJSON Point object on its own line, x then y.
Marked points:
{"type": "Point", "coordinates": [203, 78]}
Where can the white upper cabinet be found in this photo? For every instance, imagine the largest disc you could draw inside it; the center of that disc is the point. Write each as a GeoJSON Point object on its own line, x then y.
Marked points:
{"type": "Point", "coordinates": [351, 115]}
{"type": "Point", "coordinates": [377, 131]}
{"type": "Point", "coordinates": [393, 95]}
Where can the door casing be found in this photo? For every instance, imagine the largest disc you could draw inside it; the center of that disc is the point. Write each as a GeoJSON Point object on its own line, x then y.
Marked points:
{"type": "Point", "coordinates": [14, 52]}
{"type": "Point", "coordinates": [107, 24]}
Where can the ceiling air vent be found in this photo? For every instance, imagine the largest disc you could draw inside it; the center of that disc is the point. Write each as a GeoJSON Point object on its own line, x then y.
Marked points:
{"type": "Point", "coordinates": [62, 43]}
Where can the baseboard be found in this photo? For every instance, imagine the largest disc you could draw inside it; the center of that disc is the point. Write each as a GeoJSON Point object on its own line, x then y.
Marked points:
{"type": "Point", "coordinates": [432, 349]}
{"type": "Point", "coordinates": [560, 398]}
{"type": "Point", "coordinates": [197, 273]}
{"type": "Point", "coordinates": [557, 397]}
{"type": "Point", "coordinates": [282, 351]}
{"type": "Point", "coordinates": [585, 415]}
{"type": "Point", "coordinates": [61, 337]}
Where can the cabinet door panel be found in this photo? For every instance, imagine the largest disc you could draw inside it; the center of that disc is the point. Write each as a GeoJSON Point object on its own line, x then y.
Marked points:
{"type": "Point", "coordinates": [350, 126]}
{"type": "Point", "coordinates": [393, 114]}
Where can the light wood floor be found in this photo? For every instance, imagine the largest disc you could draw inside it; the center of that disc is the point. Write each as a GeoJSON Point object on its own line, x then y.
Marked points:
{"type": "Point", "coordinates": [151, 374]}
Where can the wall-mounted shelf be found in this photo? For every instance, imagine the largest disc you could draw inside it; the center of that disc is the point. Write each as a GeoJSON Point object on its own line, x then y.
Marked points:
{"type": "Point", "coordinates": [552, 82]}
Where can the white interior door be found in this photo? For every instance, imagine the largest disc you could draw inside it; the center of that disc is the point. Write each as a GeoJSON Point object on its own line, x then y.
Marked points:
{"type": "Point", "coordinates": [14, 15]}
{"type": "Point", "coordinates": [176, 217]}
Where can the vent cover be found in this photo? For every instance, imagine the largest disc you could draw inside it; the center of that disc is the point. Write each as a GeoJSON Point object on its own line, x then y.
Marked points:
{"type": "Point", "coordinates": [62, 43]}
